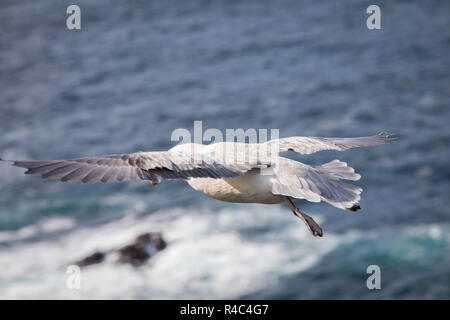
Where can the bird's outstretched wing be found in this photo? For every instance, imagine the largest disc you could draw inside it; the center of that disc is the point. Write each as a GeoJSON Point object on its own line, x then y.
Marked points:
{"type": "Point", "coordinates": [308, 145]}
{"type": "Point", "coordinates": [154, 166]}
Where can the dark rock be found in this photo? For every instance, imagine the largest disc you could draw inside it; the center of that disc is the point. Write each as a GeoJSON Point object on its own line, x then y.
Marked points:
{"type": "Point", "coordinates": [136, 254]}
{"type": "Point", "coordinates": [133, 255]}
{"type": "Point", "coordinates": [94, 258]}
{"type": "Point", "coordinates": [154, 239]}
{"type": "Point", "coordinates": [144, 246]}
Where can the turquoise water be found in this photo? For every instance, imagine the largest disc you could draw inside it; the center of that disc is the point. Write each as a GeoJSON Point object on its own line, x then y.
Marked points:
{"type": "Point", "coordinates": [137, 71]}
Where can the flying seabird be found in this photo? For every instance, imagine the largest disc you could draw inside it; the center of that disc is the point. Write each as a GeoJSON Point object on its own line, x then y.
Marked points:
{"type": "Point", "coordinates": [230, 171]}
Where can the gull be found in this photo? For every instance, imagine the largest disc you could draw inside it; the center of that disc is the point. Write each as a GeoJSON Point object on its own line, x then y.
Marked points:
{"type": "Point", "coordinates": [230, 171]}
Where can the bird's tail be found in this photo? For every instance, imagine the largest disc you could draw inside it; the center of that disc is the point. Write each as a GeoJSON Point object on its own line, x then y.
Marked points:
{"type": "Point", "coordinates": [338, 170]}
{"type": "Point", "coordinates": [349, 194]}
{"type": "Point", "coordinates": [321, 183]}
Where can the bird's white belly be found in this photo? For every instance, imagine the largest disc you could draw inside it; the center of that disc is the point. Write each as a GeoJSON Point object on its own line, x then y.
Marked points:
{"type": "Point", "coordinates": [251, 187]}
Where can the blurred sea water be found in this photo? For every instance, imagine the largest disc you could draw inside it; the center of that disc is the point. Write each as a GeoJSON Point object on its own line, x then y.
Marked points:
{"type": "Point", "coordinates": [139, 70]}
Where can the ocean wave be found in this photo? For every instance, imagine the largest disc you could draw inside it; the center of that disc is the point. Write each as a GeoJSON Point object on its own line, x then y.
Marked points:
{"type": "Point", "coordinates": [209, 254]}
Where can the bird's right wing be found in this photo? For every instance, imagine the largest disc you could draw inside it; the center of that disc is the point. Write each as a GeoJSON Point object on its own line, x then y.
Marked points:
{"type": "Point", "coordinates": [154, 166]}
{"type": "Point", "coordinates": [308, 145]}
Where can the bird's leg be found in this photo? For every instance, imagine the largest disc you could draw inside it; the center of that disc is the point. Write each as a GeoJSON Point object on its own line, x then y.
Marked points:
{"type": "Point", "coordinates": [315, 229]}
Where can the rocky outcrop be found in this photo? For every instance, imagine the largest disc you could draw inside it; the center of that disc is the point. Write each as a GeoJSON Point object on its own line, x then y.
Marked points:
{"type": "Point", "coordinates": [142, 249]}
{"type": "Point", "coordinates": [94, 258]}
{"type": "Point", "coordinates": [137, 253]}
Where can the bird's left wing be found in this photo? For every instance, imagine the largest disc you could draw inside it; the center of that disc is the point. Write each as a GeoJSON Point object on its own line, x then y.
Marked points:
{"type": "Point", "coordinates": [154, 166]}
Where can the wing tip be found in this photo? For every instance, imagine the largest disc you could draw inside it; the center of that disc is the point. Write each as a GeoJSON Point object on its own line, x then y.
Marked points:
{"type": "Point", "coordinates": [387, 137]}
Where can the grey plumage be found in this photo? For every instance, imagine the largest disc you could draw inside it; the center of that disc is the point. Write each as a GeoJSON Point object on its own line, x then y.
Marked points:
{"type": "Point", "coordinates": [315, 184]}
{"type": "Point", "coordinates": [308, 145]}
{"type": "Point", "coordinates": [155, 166]}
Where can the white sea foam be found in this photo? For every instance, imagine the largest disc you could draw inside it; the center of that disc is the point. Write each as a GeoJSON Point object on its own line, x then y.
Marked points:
{"type": "Point", "coordinates": [221, 254]}
{"type": "Point", "coordinates": [47, 226]}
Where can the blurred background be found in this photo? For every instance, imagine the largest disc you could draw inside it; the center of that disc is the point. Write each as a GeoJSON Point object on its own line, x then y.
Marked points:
{"type": "Point", "coordinates": [140, 69]}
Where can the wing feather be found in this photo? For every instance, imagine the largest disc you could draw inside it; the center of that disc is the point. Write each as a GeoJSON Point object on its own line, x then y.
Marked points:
{"type": "Point", "coordinates": [155, 166]}
{"type": "Point", "coordinates": [315, 184]}
{"type": "Point", "coordinates": [308, 145]}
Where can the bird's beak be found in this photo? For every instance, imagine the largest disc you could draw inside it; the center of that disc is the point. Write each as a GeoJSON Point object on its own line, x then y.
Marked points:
{"type": "Point", "coordinates": [153, 183]}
